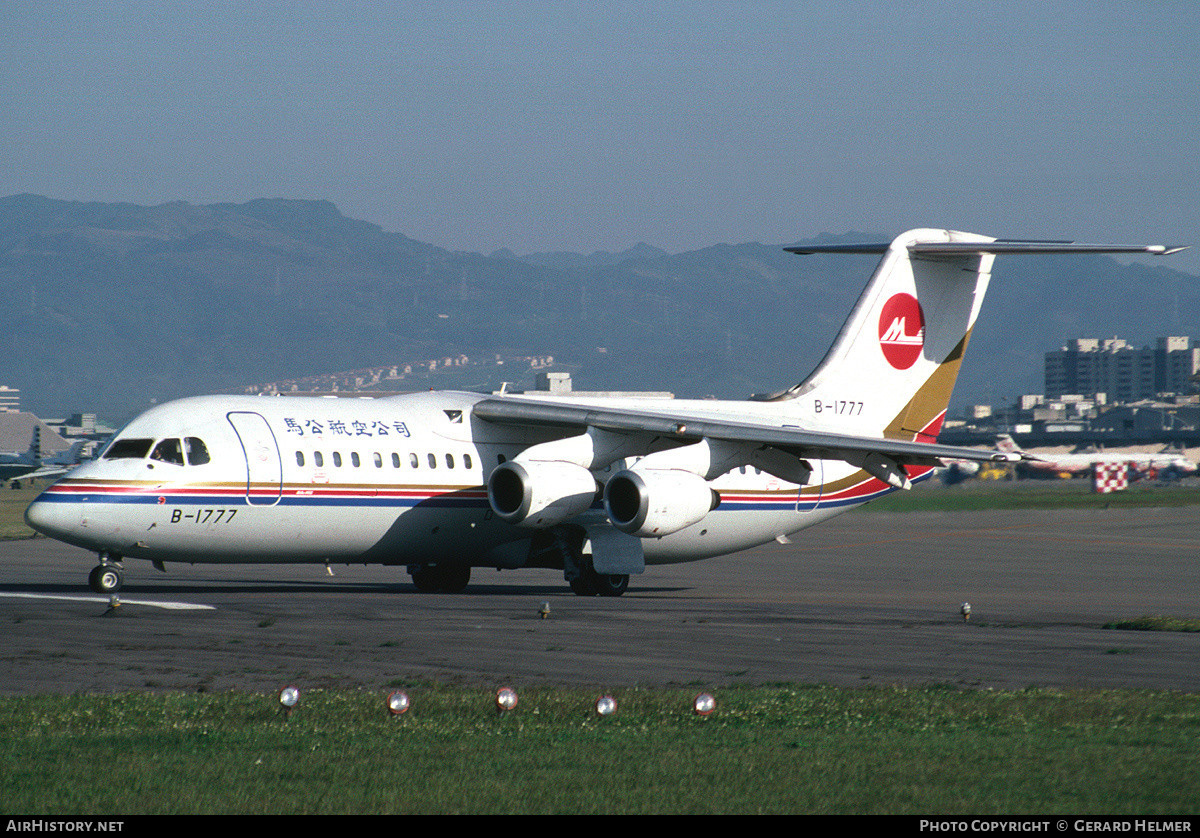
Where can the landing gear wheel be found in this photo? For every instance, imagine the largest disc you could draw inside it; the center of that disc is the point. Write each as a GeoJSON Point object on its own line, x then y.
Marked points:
{"type": "Point", "coordinates": [591, 583]}
{"type": "Point", "coordinates": [425, 580]}
{"type": "Point", "coordinates": [105, 579]}
{"type": "Point", "coordinates": [613, 584]}
{"type": "Point", "coordinates": [444, 578]}
{"type": "Point", "coordinates": [455, 578]}
{"type": "Point", "coordinates": [582, 585]}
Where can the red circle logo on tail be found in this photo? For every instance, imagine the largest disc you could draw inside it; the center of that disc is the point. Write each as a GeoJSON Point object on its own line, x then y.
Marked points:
{"type": "Point", "coordinates": [902, 330]}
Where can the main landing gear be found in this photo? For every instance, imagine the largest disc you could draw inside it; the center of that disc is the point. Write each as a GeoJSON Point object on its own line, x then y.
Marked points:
{"type": "Point", "coordinates": [564, 547]}
{"type": "Point", "coordinates": [107, 577]}
{"type": "Point", "coordinates": [440, 578]}
{"type": "Point", "coordinates": [585, 581]}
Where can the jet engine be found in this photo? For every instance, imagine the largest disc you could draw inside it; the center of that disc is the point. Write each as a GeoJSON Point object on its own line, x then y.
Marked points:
{"type": "Point", "coordinates": [650, 503]}
{"type": "Point", "coordinates": [540, 493]}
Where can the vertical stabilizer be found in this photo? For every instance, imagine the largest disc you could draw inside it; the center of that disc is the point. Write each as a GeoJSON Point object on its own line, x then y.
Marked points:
{"type": "Point", "coordinates": [893, 365]}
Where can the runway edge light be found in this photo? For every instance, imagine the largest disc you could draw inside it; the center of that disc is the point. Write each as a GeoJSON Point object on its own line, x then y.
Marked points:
{"type": "Point", "coordinates": [506, 699]}
{"type": "Point", "coordinates": [704, 704]}
{"type": "Point", "coordinates": [606, 705]}
{"type": "Point", "coordinates": [289, 697]}
{"type": "Point", "coordinates": [398, 703]}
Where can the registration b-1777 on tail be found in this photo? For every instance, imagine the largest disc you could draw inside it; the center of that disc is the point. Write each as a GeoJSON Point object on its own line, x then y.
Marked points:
{"type": "Point", "coordinates": [442, 482]}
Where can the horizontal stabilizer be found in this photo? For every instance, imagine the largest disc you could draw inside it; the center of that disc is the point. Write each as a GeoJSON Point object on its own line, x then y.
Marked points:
{"type": "Point", "coordinates": [999, 246]}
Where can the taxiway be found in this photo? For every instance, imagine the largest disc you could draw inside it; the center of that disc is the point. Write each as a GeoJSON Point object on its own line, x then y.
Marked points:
{"type": "Point", "coordinates": [867, 599]}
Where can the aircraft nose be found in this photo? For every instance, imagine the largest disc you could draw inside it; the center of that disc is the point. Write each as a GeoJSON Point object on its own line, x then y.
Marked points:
{"type": "Point", "coordinates": [47, 518]}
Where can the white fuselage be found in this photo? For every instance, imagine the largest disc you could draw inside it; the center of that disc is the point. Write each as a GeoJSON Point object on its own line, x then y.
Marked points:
{"type": "Point", "coordinates": [398, 480]}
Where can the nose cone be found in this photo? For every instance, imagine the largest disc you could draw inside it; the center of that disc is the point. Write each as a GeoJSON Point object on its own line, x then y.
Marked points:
{"type": "Point", "coordinates": [50, 518]}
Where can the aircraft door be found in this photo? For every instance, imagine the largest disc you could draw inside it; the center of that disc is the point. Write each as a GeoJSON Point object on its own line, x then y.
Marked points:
{"type": "Point", "coordinates": [819, 473]}
{"type": "Point", "coordinates": [264, 470]}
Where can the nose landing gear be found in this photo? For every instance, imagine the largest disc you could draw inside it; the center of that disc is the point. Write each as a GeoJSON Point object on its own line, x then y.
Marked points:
{"type": "Point", "coordinates": [106, 577]}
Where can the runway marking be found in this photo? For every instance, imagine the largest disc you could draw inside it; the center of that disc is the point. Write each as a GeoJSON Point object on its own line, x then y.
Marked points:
{"type": "Point", "coordinates": [169, 606]}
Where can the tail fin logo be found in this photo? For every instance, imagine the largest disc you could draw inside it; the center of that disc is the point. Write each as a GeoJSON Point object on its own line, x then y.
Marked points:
{"type": "Point", "coordinates": [902, 331]}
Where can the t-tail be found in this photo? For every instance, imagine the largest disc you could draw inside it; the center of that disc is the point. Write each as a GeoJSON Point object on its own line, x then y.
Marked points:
{"type": "Point", "coordinates": [1005, 442]}
{"type": "Point", "coordinates": [891, 370]}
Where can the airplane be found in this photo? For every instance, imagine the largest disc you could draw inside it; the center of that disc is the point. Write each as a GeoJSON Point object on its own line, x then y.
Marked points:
{"type": "Point", "coordinates": [599, 488]}
{"type": "Point", "coordinates": [1167, 461]}
{"type": "Point", "coordinates": [957, 471]}
{"type": "Point", "coordinates": [15, 463]}
{"type": "Point", "coordinates": [30, 464]}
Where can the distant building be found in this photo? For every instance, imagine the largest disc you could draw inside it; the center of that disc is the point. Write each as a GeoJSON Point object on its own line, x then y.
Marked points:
{"type": "Point", "coordinates": [16, 434]}
{"type": "Point", "coordinates": [559, 384]}
{"type": "Point", "coordinates": [1150, 416]}
{"type": "Point", "coordinates": [10, 400]}
{"type": "Point", "coordinates": [1091, 366]}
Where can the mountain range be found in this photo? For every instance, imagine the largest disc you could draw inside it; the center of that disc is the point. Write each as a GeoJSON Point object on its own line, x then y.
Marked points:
{"type": "Point", "coordinates": [109, 307]}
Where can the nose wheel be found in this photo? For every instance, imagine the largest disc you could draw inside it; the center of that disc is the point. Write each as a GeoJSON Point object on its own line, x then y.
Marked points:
{"type": "Point", "coordinates": [106, 578]}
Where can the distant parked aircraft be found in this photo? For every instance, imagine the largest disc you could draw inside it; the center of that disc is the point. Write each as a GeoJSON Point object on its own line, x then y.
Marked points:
{"type": "Point", "coordinates": [30, 464]}
{"type": "Point", "coordinates": [1074, 464]}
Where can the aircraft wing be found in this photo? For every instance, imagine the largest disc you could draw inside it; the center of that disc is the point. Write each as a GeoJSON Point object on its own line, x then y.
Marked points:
{"type": "Point", "coordinates": [687, 429]}
{"type": "Point", "coordinates": [51, 471]}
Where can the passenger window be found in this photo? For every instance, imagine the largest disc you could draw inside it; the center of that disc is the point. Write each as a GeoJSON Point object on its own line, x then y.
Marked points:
{"type": "Point", "coordinates": [466, 460]}
{"type": "Point", "coordinates": [300, 458]}
{"type": "Point", "coordinates": [197, 451]}
{"type": "Point", "coordinates": [378, 460]}
{"type": "Point", "coordinates": [337, 459]}
{"type": "Point", "coordinates": [432, 461]}
{"type": "Point", "coordinates": [412, 459]}
{"type": "Point", "coordinates": [395, 460]}
{"type": "Point", "coordinates": [354, 461]}
{"type": "Point", "coordinates": [318, 459]}
{"type": "Point", "coordinates": [128, 449]}
{"type": "Point", "coordinates": [449, 461]}
{"type": "Point", "coordinates": [168, 451]}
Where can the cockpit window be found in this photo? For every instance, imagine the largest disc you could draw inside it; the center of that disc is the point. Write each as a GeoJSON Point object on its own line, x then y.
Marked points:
{"type": "Point", "coordinates": [128, 449]}
{"type": "Point", "coordinates": [168, 451]}
{"type": "Point", "coordinates": [197, 451]}
{"type": "Point", "coordinates": [172, 450]}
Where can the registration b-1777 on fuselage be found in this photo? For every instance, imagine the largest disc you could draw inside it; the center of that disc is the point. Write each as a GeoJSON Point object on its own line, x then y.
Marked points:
{"type": "Point", "coordinates": [442, 482]}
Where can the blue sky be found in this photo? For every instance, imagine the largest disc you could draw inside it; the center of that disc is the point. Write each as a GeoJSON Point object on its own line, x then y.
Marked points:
{"type": "Point", "coordinates": [593, 126]}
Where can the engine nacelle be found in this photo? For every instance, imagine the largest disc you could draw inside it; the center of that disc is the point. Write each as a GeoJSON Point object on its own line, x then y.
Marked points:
{"type": "Point", "coordinates": [540, 493]}
{"type": "Point", "coordinates": [650, 503]}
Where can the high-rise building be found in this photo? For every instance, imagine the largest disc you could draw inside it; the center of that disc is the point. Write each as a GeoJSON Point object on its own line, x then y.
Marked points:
{"type": "Point", "coordinates": [10, 400]}
{"type": "Point", "coordinates": [1124, 373]}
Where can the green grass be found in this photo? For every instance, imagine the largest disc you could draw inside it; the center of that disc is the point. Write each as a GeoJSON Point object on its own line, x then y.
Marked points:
{"type": "Point", "coordinates": [781, 749]}
{"type": "Point", "coordinates": [12, 511]}
{"type": "Point", "coordinates": [1031, 494]}
{"type": "Point", "coordinates": [1155, 623]}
